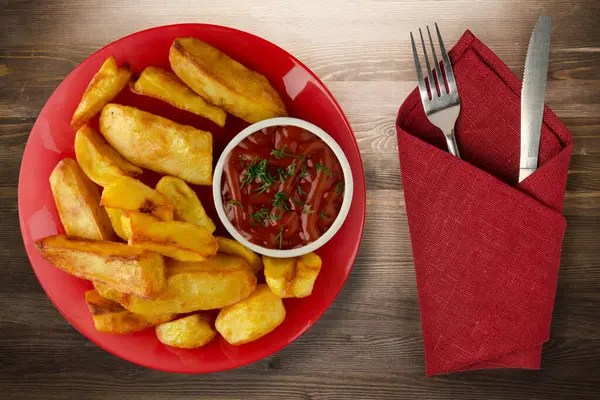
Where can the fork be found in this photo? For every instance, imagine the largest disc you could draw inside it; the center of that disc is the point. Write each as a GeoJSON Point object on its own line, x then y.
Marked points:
{"type": "Point", "coordinates": [443, 107]}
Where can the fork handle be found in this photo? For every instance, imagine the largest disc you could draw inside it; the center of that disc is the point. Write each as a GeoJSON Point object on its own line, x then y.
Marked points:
{"type": "Point", "coordinates": [451, 141]}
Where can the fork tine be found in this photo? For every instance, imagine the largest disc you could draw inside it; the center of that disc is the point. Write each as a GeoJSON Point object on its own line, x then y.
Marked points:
{"type": "Point", "coordinates": [422, 86]}
{"type": "Point", "coordinates": [432, 85]}
{"type": "Point", "coordinates": [438, 71]}
{"type": "Point", "coordinates": [452, 88]}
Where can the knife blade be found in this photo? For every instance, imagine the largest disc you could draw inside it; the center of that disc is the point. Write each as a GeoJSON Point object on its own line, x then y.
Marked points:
{"type": "Point", "coordinates": [532, 96]}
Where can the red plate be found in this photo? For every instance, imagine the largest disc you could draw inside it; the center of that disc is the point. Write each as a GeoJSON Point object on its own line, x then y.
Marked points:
{"type": "Point", "coordinates": [52, 140]}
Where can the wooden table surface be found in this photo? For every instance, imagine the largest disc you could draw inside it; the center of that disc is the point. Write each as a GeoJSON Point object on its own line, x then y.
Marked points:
{"type": "Point", "coordinates": [368, 345]}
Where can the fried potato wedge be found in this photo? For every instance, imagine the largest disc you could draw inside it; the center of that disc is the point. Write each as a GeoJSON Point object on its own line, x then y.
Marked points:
{"type": "Point", "coordinates": [111, 317]}
{"type": "Point", "coordinates": [186, 205]}
{"type": "Point", "coordinates": [104, 86]}
{"type": "Point", "coordinates": [100, 162]}
{"type": "Point", "coordinates": [186, 333]}
{"type": "Point", "coordinates": [224, 82]}
{"type": "Point", "coordinates": [107, 292]}
{"type": "Point", "coordinates": [129, 194]}
{"type": "Point", "coordinates": [215, 283]}
{"type": "Point", "coordinates": [292, 277]}
{"type": "Point", "coordinates": [115, 214]}
{"type": "Point", "coordinates": [78, 202]}
{"type": "Point", "coordinates": [166, 86]}
{"type": "Point", "coordinates": [158, 144]}
{"type": "Point", "coordinates": [123, 268]}
{"type": "Point", "coordinates": [251, 318]}
{"type": "Point", "coordinates": [179, 240]}
{"type": "Point", "coordinates": [279, 274]}
{"type": "Point", "coordinates": [230, 246]}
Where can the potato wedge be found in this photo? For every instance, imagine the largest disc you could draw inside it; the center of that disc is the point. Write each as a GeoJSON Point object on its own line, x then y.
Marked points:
{"type": "Point", "coordinates": [114, 214]}
{"type": "Point", "coordinates": [224, 82]}
{"type": "Point", "coordinates": [78, 202]}
{"type": "Point", "coordinates": [186, 205]}
{"type": "Point", "coordinates": [292, 277]}
{"type": "Point", "coordinates": [107, 292]}
{"type": "Point", "coordinates": [104, 86]}
{"type": "Point", "coordinates": [100, 162]}
{"type": "Point", "coordinates": [251, 318]}
{"type": "Point", "coordinates": [186, 333]}
{"type": "Point", "coordinates": [215, 283]}
{"type": "Point", "coordinates": [123, 268]}
{"type": "Point", "coordinates": [129, 194]}
{"type": "Point", "coordinates": [166, 86]}
{"type": "Point", "coordinates": [179, 240]}
{"type": "Point", "coordinates": [111, 317]}
{"type": "Point", "coordinates": [158, 144]}
{"type": "Point", "coordinates": [230, 246]}
{"type": "Point", "coordinates": [279, 274]}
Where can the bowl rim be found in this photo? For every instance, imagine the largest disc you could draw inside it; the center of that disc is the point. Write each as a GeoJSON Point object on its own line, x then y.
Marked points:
{"type": "Point", "coordinates": [348, 186]}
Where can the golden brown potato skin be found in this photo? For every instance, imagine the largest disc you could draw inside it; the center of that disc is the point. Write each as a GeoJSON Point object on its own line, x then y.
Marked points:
{"type": "Point", "coordinates": [158, 144]}
{"type": "Point", "coordinates": [121, 267]}
{"type": "Point", "coordinates": [230, 246]}
{"type": "Point", "coordinates": [251, 318]}
{"type": "Point", "coordinates": [192, 286]}
{"type": "Point", "coordinates": [115, 214]}
{"type": "Point", "coordinates": [179, 240]}
{"type": "Point", "coordinates": [78, 202]}
{"type": "Point", "coordinates": [166, 86]}
{"type": "Point", "coordinates": [104, 86]}
{"type": "Point", "coordinates": [100, 162]}
{"type": "Point", "coordinates": [186, 205]}
{"type": "Point", "coordinates": [107, 292]}
{"type": "Point", "coordinates": [128, 194]}
{"type": "Point", "coordinates": [111, 317]}
{"type": "Point", "coordinates": [186, 333]}
{"type": "Point", "coordinates": [225, 82]}
{"type": "Point", "coordinates": [292, 277]}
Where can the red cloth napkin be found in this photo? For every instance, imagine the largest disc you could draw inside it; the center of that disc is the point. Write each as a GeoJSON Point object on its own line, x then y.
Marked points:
{"type": "Point", "coordinates": [486, 249]}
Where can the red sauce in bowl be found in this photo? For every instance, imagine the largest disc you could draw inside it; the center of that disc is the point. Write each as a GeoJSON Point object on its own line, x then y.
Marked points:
{"type": "Point", "coordinates": [283, 187]}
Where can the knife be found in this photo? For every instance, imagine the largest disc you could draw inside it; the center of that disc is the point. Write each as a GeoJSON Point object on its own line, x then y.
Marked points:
{"type": "Point", "coordinates": [532, 96]}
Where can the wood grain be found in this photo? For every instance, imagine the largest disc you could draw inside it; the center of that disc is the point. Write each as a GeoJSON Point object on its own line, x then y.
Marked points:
{"type": "Point", "coordinates": [368, 344]}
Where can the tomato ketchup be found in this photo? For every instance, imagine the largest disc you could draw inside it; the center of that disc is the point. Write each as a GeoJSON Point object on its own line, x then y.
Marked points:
{"type": "Point", "coordinates": [283, 187]}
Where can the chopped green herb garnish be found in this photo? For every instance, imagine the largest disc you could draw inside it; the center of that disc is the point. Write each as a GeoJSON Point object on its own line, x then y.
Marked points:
{"type": "Point", "coordinates": [292, 168]}
{"type": "Point", "coordinates": [274, 217]}
{"type": "Point", "coordinates": [323, 215]}
{"type": "Point", "coordinates": [323, 168]}
{"type": "Point", "coordinates": [279, 237]}
{"type": "Point", "coordinates": [339, 188]}
{"type": "Point", "coordinates": [299, 202]}
{"type": "Point", "coordinates": [260, 215]}
{"type": "Point", "coordinates": [300, 191]}
{"type": "Point", "coordinates": [265, 178]}
{"type": "Point", "coordinates": [262, 188]}
{"type": "Point", "coordinates": [251, 173]}
{"type": "Point", "coordinates": [280, 200]}
{"type": "Point", "coordinates": [235, 203]}
{"type": "Point", "coordinates": [280, 153]}
{"type": "Point", "coordinates": [258, 171]}
{"type": "Point", "coordinates": [303, 172]}
{"type": "Point", "coordinates": [262, 168]}
{"type": "Point", "coordinates": [307, 209]}
{"type": "Point", "coordinates": [281, 174]}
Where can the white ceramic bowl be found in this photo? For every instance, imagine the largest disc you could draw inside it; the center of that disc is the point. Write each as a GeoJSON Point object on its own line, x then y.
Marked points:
{"type": "Point", "coordinates": [348, 186]}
